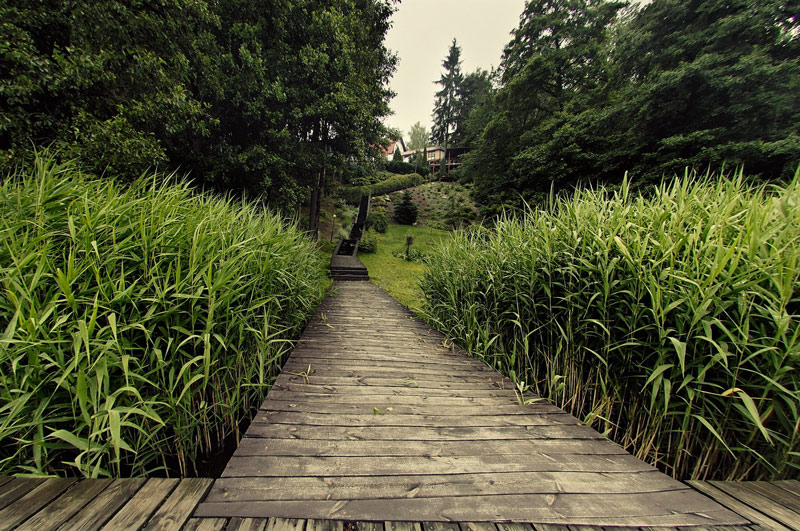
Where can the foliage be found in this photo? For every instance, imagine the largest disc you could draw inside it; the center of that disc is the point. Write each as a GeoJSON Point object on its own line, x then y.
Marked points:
{"type": "Point", "coordinates": [669, 322]}
{"type": "Point", "coordinates": [406, 212]}
{"type": "Point", "coordinates": [458, 214]}
{"type": "Point", "coordinates": [353, 194]}
{"type": "Point", "coordinates": [474, 95]}
{"type": "Point", "coordinates": [397, 157]}
{"type": "Point", "coordinates": [418, 136]}
{"type": "Point", "coordinates": [446, 105]}
{"type": "Point", "coordinates": [400, 167]}
{"type": "Point", "coordinates": [125, 349]}
{"type": "Point", "coordinates": [586, 95]}
{"type": "Point", "coordinates": [245, 96]}
{"type": "Point", "coordinates": [368, 242]}
{"type": "Point", "coordinates": [378, 220]}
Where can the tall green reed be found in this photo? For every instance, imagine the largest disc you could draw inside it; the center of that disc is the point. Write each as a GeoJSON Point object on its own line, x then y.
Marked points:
{"type": "Point", "coordinates": [139, 323]}
{"type": "Point", "coordinates": [667, 322]}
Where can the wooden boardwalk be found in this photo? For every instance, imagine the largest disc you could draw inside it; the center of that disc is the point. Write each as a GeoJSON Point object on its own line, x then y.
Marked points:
{"type": "Point", "coordinates": [377, 424]}
{"type": "Point", "coordinates": [375, 417]}
{"type": "Point", "coordinates": [167, 504]}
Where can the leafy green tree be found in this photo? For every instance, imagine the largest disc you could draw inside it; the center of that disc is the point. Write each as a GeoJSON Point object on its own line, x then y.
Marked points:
{"type": "Point", "coordinates": [418, 136]}
{"type": "Point", "coordinates": [474, 94]}
{"type": "Point", "coordinates": [398, 155]}
{"type": "Point", "coordinates": [447, 103]}
{"type": "Point", "coordinates": [406, 212]}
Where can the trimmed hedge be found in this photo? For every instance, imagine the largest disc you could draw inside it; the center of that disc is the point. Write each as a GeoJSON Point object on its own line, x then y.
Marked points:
{"type": "Point", "coordinates": [352, 194]}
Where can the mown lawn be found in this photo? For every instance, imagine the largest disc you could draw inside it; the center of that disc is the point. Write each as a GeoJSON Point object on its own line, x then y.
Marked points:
{"type": "Point", "coordinates": [399, 277]}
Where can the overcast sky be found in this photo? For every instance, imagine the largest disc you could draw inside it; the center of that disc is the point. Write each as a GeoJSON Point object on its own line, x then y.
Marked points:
{"type": "Point", "coordinates": [421, 35]}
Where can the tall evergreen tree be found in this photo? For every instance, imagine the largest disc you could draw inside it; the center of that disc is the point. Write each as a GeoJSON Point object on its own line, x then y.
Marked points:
{"type": "Point", "coordinates": [418, 136]}
{"type": "Point", "coordinates": [446, 105]}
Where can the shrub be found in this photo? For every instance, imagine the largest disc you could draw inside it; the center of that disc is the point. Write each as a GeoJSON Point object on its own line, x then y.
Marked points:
{"type": "Point", "coordinates": [141, 324]}
{"type": "Point", "coordinates": [400, 167]}
{"type": "Point", "coordinates": [406, 212]}
{"type": "Point", "coordinates": [352, 194]}
{"type": "Point", "coordinates": [368, 242]}
{"type": "Point", "coordinates": [669, 322]}
{"type": "Point", "coordinates": [378, 220]}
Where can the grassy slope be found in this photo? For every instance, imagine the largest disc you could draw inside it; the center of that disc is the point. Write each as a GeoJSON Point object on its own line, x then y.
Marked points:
{"type": "Point", "coordinates": [399, 277]}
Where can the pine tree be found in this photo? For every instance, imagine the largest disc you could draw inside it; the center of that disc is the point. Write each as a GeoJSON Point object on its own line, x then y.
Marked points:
{"type": "Point", "coordinates": [406, 212]}
{"type": "Point", "coordinates": [446, 106]}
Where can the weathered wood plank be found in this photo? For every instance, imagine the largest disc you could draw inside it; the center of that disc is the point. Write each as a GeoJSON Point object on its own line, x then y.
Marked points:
{"type": "Point", "coordinates": [402, 526]}
{"type": "Point", "coordinates": [577, 509]}
{"type": "Point", "coordinates": [254, 466]}
{"type": "Point", "coordinates": [247, 524]}
{"type": "Point", "coordinates": [510, 447]}
{"type": "Point", "coordinates": [389, 407]}
{"type": "Point", "coordinates": [205, 524]}
{"type": "Point", "coordinates": [14, 514]}
{"type": "Point", "coordinates": [392, 433]}
{"type": "Point", "coordinates": [324, 525]}
{"type": "Point", "coordinates": [100, 509]}
{"type": "Point", "coordinates": [790, 485]}
{"type": "Point", "coordinates": [403, 390]}
{"type": "Point", "coordinates": [13, 490]}
{"type": "Point", "coordinates": [770, 507]}
{"type": "Point", "coordinates": [65, 506]}
{"type": "Point", "coordinates": [178, 507]}
{"type": "Point", "coordinates": [478, 526]}
{"type": "Point", "coordinates": [773, 492]}
{"type": "Point", "coordinates": [135, 513]}
{"type": "Point", "coordinates": [390, 418]}
{"type": "Point", "coordinates": [734, 504]}
{"type": "Point", "coordinates": [442, 485]}
{"type": "Point", "coordinates": [286, 524]}
{"type": "Point", "coordinates": [369, 526]}
{"type": "Point", "coordinates": [393, 399]}
{"type": "Point", "coordinates": [439, 526]}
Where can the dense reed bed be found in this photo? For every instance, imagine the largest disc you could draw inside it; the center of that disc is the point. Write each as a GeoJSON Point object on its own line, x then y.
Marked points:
{"type": "Point", "coordinates": [139, 324]}
{"type": "Point", "coordinates": [668, 322]}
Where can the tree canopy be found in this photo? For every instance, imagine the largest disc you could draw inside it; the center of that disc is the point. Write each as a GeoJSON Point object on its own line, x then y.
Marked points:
{"type": "Point", "coordinates": [244, 96]}
{"type": "Point", "coordinates": [589, 90]}
{"type": "Point", "coordinates": [446, 105]}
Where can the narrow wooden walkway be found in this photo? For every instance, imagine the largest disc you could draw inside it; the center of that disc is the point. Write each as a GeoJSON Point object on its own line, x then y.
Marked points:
{"type": "Point", "coordinates": [37, 504]}
{"type": "Point", "coordinates": [376, 418]}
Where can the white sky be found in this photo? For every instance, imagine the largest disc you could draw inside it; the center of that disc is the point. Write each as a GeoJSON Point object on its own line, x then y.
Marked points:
{"type": "Point", "coordinates": [421, 35]}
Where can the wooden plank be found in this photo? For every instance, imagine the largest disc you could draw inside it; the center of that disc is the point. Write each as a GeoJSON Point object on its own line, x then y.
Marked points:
{"type": "Point", "coordinates": [144, 503]}
{"type": "Point", "coordinates": [570, 509]}
{"type": "Point", "coordinates": [205, 524]}
{"type": "Point", "coordinates": [773, 492]}
{"type": "Point", "coordinates": [247, 524]}
{"type": "Point", "coordinates": [463, 383]}
{"type": "Point", "coordinates": [771, 508]}
{"type": "Point", "coordinates": [388, 407]}
{"type": "Point", "coordinates": [394, 399]}
{"type": "Point", "coordinates": [255, 466]}
{"type": "Point", "coordinates": [514, 527]}
{"type": "Point", "coordinates": [24, 507]}
{"type": "Point", "coordinates": [16, 489]}
{"type": "Point", "coordinates": [286, 524]}
{"type": "Point", "coordinates": [734, 504]}
{"type": "Point", "coordinates": [392, 433]}
{"type": "Point", "coordinates": [5, 479]}
{"type": "Point", "coordinates": [478, 526]}
{"type": "Point", "coordinates": [382, 368]}
{"type": "Point", "coordinates": [369, 526]}
{"type": "Point", "coordinates": [178, 507]}
{"type": "Point", "coordinates": [243, 489]}
{"type": "Point", "coordinates": [439, 526]}
{"type": "Point", "coordinates": [511, 447]}
{"type": "Point", "coordinates": [390, 418]}
{"type": "Point", "coordinates": [100, 509]}
{"type": "Point", "coordinates": [324, 525]}
{"type": "Point", "coordinates": [403, 390]}
{"type": "Point", "coordinates": [402, 526]}
{"type": "Point", "coordinates": [66, 505]}
{"type": "Point", "coordinates": [789, 485]}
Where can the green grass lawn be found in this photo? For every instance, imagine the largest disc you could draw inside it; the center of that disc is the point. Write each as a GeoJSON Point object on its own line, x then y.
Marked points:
{"type": "Point", "coordinates": [400, 278]}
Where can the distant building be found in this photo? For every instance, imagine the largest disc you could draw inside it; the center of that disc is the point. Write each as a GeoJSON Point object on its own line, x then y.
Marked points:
{"type": "Point", "coordinates": [388, 152]}
{"type": "Point", "coordinates": [435, 155]}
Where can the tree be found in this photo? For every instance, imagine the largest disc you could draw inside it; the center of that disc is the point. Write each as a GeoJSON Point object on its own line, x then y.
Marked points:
{"type": "Point", "coordinates": [406, 212]}
{"type": "Point", "coordinates": [418, 136]}
{"type": "Point", "coordinates": [398, 155]}
{"type": "Point", "coordinates": [446, 105]}
{"type": "Point", "coordinates": [474, 94]}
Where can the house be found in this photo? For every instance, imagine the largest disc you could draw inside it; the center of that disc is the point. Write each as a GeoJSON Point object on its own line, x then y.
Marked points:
{"type": "Point", "coordinates": [435, 155]}
{"type": "Point", "coordinates": [388, 151]}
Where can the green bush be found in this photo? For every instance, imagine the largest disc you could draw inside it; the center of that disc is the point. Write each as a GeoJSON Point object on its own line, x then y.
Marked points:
{"type": "Point", "coordinates": [368, 242]}
{"type": "Point", "coordinates": [668, 322]}
{"type": "Point", "coordinates": [378, 220]}
{"type": "Point", "coordinates": [141, 323]}
{"type": "Point", "coordinates": [352, 194]}
{"type": "Point", "coordinates": [406, 212]}
{"type": "Point", "coordinates": [400, 167]}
